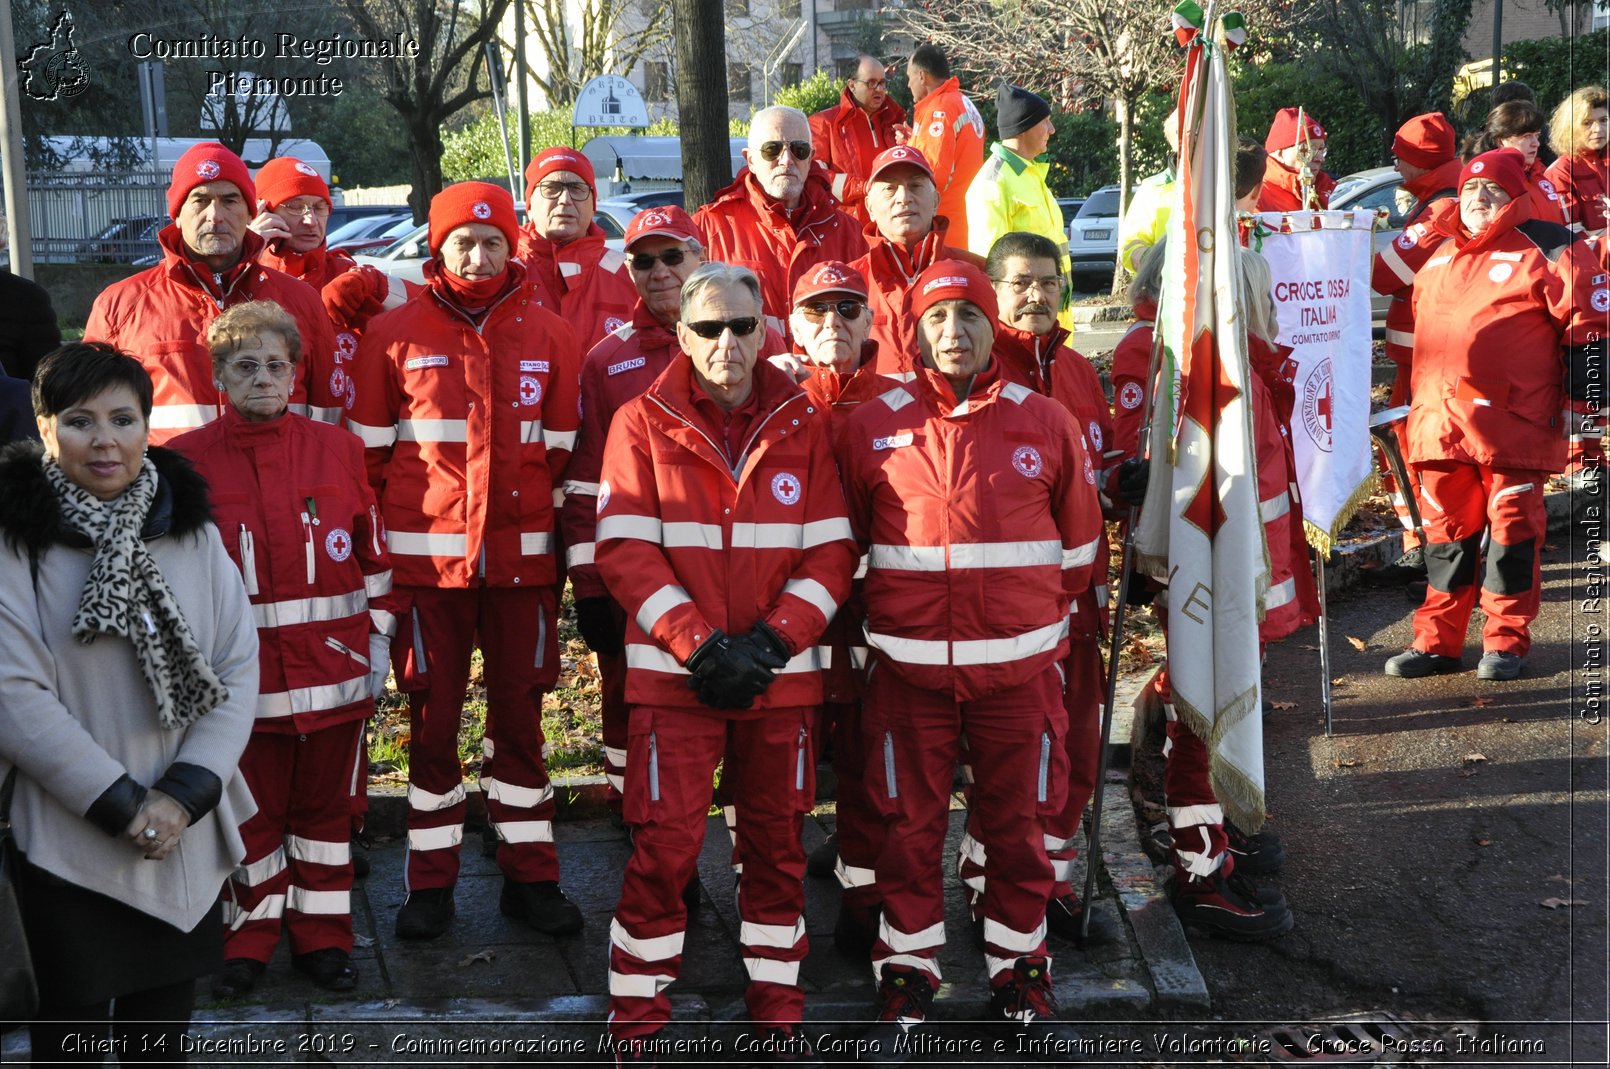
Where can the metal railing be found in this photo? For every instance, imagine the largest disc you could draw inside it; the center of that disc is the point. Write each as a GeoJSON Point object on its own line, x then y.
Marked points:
{"type": "Point", "coordinates": [97, 216]}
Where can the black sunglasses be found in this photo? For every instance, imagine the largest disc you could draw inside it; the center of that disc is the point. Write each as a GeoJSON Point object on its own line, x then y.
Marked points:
{"type": "Point", "coordinates": [645, 261]}
{"type": "Point", "coordinates": [848, 309]}
{"type": "Point", "coordinates": [711, 329]}
{"type": "Point", "coordinates": [770, 150]}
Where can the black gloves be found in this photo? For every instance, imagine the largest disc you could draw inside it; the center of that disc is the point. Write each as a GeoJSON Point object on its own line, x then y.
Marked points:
{"type": "Point", "coordinates": [595, 619]}
{"type": "Point", "coordinates": [1132, 477]}
{"type": "Point", "coordinates": [730, 673]}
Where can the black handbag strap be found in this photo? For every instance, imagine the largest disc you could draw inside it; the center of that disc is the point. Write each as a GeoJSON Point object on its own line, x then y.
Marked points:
{"type": "Point", "coordinates": [5, 796]}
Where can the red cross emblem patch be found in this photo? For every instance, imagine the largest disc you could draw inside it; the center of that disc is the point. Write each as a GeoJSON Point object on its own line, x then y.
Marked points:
{"type": "Point", "coordinates": [785, 488]}
{"type": "Point", "coordinates": [338, 544]}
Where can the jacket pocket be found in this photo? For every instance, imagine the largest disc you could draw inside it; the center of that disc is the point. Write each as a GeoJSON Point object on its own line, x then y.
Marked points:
{"type": "Point", "coordinates": [653, 767]}
{"type": "Point", "coordinates": [892, 786]}
{"type": "Point", "coordinates": [341, 647]}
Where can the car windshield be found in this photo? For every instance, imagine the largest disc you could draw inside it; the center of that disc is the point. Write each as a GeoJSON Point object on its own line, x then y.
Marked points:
{"type": "Point", "coordinates": [1103, 202]}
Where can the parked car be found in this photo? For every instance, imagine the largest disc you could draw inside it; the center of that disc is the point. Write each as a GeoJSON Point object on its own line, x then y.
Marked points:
{"type": "Point", "coordinates": [1093, 237]}
{"type": "Point", "coordinates": [372, 233]}
{"type": "Point", "coordinates": [124, 241]}
{"type": "Point", "coordinates": [342, 214]}
{"type": "Point", "coordinates": [1070, 207]}
{"type": "Point", "coordinates": [1379, 187]}
{"type": "Point", "coordinates": [650, 198]}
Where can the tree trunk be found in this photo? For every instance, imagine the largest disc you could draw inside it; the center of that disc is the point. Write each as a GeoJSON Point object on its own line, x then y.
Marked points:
{"type": "Point", "coordinates": [425, 151]}
{"type": "Point", "coordinates": [701, 96]}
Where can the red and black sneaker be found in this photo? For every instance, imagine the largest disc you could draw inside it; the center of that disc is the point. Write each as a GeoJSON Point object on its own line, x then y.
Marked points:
{"type": "Point", "coordinates": [1027, 1003]}
{"type": "Point", "coordinates": [1255, 855]}
{"type": "Point", "coordinates": [1231, 907]}
{"type": "Point", "coordinates": [783, 1044]}
{"type": "Point", "coordinates": [638, 1050]}
{"type": "Point", "coordinates": [905, 994]}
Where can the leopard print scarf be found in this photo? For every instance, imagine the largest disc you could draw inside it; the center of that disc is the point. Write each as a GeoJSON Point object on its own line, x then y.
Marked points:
{"type": "Point", "coordinates": [125, 595]}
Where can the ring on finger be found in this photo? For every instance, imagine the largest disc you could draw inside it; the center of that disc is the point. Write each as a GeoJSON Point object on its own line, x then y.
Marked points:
{"type": "Point", "coordinates": [149, 834]}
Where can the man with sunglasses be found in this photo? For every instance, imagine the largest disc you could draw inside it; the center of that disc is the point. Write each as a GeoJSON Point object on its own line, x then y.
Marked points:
{"type": "Point", "coordinates": [905, 237]}
{"type": "Point", "coordinates": [975, 502]}
{"type": "Point", "coordinates": [662, 250]}
{"type": "Point", "coordinates": [721, 531]}
{"type": "Point", "coordinates": [582, 279]}
{"type": "Point", "coordinates": [779, 217]}
{"type": "Point", "coordinates": [849, 135]}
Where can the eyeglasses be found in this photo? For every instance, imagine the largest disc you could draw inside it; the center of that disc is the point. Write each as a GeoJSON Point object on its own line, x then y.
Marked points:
{"type": "Point", "coordinates": [871, 83]}
{"type": "Point", "coordinates": [1023, 283]}
{"type": "Point", "coordinates": [848, 309]}
{"type": "Point", "coordinates": [248, 369]}
{"type": "Point", "coordinates": [711, 329]}
{"type": "Point", "coordinates": [770, 150]}
{"type": "Point", "coordinates": [645, 261]}
{"type": "Point", "coordinates": [579, 191]}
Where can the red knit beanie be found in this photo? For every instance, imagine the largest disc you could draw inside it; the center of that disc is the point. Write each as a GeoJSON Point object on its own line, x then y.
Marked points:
{"type": "Point", "coordinates": [206, 162]}
{"type": "Point", "coordinates": [558, 158]}
{"type": "Point", "coordinates": [1284, 134]}
{"type": "Point", "coordinates": [286, 177]}
{"type": "Point", "coordinates": [1425, 141]}
{"type": "Point", "coordinates": [954, 278]}
{"type": "Point", "coordinates": [1506, 166]}
{"type": "Point", "coordinates": [472, 202]}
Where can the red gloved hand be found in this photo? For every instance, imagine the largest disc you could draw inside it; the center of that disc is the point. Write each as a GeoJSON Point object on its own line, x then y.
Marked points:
{"type": "Point", "coordinates": [352, 299]}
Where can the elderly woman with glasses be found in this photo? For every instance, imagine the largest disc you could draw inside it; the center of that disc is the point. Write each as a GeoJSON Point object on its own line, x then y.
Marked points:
{"type": "Point", "coordinates": [128, 673]}
{"type": "Point", "coordinates": [293, 502]}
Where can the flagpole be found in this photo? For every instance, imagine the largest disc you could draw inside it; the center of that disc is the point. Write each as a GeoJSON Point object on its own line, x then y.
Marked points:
{"type": "Point", "coordinates": [1324, 637]}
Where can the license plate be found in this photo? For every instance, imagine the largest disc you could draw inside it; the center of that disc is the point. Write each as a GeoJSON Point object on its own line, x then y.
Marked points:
{"type": "Point", "coordinates": [1098, 235]}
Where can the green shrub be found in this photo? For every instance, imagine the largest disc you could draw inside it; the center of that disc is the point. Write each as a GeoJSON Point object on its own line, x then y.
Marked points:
{"type": "Point", "coordinates": [821, 90]}
{"type": "Point", "coordinates": [1552, 66]}
{"type": "Point", "coordinates": [1356, 138]}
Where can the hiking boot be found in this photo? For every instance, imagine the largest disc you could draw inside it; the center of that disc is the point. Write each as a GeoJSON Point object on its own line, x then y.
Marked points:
{"type": "Point", "coordinates": [1255, 855]}
{"type": "Point", "coordinates": [1063, 916]}
{"type": "Point", "coordinates": [1407, 568]}
{"type": "Point", "coordinates": [360, 855]}
{"type": "Point", "coordinates": [1231, 908]}
{"type": "Point", "coordinates": [330, 968]}
{"type": "Point", "coordinates": [905, 995]}
{"type": "Point", "coordinates": [824, 859]}
{"type": "Point", "coordinates": [855, 931]}
{"type": "Point", "coordinates": [237, 978]}
{"type": "Point", "coordinates": [489, 842]}
{"type": "Point", "coordinates": [426, 913]}
{"type": "Point", "coordinates": [1497, 664]}
{"type": "Point", "coordinates": [1028, 1006]}
{"type": "Point", "coordinates": [1413, 664]}
{"type": "Point", "coordinates": [782, 1044]}
{"type": "Point", "coordinates": [540, 905]}
{"type": "Point", "coordinates": [1416, 591]}
{"type": "Point", "coordinates": [639, 1051]}
{"type": "Point", "coordinates": [690, 894]}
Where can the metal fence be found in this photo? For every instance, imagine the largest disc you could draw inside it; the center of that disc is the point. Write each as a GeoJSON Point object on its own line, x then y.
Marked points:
{"type": "Point", "coordinates": [97, 217]}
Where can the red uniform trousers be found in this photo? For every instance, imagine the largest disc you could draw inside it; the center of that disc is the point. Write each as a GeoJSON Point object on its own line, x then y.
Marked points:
{"type": "Point", "coordinates": [673, 755]}
{"type": "Point", "coordinates": [856, 818]}
{"type": "Point", "coordinates": [1460, 502]}
{"type": "Point", "coordinates": [615, 713]}
{"type": "Point", "coordinates": [1195, 818]}
{"type": "Point", "coordinates": [297, 872]}
{"type": "Point", "coordinates": [518, 636]}
{"type": "Point", "coordinates": [1082, 698]}
{"type": "Point", "coordinates": [1020, 768]}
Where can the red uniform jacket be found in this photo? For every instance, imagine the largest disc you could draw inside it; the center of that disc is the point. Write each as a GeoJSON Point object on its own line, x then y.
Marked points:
{"type": "Point", "coordinates": [1492, 313]}
{"type": "Point", "coordinates": [619, 369]}
{"type": "Point", "coordinates": [585, 281]}
{"type": "Point", "coordinates": [318, 268]}
{"type": "Point", "coordinates": [468, 425]}
{"type": "Point", "coordinates": [890, 269]}
{"type": "Point", "coordinates": [947, 128]}
{"type": "Point", "coordinates": [1547, 204]}
{"type": "Point", "coordinates": [1583, 182]}
{"type": "Point", "coordinates": [1282, 188]}
{"type": "Point", "coordinates": [744, 227]}
{"type": "Point", "coordinates": [297, 515]}
{"type": "Point", "coordinates": [981, 526]}
{"type": "Point", "coordinates": [1398, 263]}
{"type": "Point", "coordinates": [161, 316]}
{"type": "Point", "coordinates": [688, 543]}
{"type": "Point", "coordinates": [1131, 361]}
{"type": "Point", "coordinates": [1292, 602]}
{"type": "Point", "coordinates": [847, 140]}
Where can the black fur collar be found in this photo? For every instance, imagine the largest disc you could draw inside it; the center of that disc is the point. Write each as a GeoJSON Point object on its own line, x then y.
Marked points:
{"type": "Point", "coordinates": [30, 517]}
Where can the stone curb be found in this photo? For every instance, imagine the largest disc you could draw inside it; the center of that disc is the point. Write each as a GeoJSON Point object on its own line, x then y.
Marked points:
{"type": "Point", "coordinates": [1086, 314]}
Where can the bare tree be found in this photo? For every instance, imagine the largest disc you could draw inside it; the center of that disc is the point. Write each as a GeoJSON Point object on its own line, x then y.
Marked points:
{"type": "Point", "coordinates": [701, 94]}
{"type": "Point", "coordinates": [602, 42]}
{"type": "Point", "coordinates": [443, 77]}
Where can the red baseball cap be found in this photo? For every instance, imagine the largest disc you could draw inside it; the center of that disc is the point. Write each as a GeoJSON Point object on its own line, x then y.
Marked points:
{"type": "Point", "coordinates": [558, 158]}
{"type": "Point", "coordinates": [1284, 132]}
{"type": "Point", "coordinates": [897, 155]}
{"type": "Point", "coordinates": [1506, 166]}
{"type": "Point", "coordinates": [946, 279]}
{"type": "Point", "coordinates": [463, 203]}
{"type": "Point", "coordinates": [830, 276]}
{"type": "Point", "coordinates": [208, 161]}
{"type": "Point", "coordinates": [669, 221]}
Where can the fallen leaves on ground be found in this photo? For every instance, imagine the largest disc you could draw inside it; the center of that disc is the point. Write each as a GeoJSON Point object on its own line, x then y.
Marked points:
{"type": "Point", "coordinates": [1357, 643]}
{"type": "Point", "coordinates": [1282, 705]}
{"type": "Point", "coordinates": [1480, 702]}
{"type": "Point", "coordinates": [1474, 758]}
{"type": "Point", "coordinates": [1484, 842]}
{"type": "Point", "coordinates": [1556, 903]}
{"type": "Point", "coordinates": [1347, 762]}
{"type": "Point", "coordinates": [479, 955]}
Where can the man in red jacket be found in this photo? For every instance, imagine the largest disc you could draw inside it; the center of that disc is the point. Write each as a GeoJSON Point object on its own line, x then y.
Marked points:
{"type": "Point", "coordinates": [580, 277]}
{"type": "Point", "coordinates": [906, 236]}
{"type": "Point", "coordinates": [1484, 426]}
{"type": "Point", "coordinates": [778, 218]}
{"type": "Point", "coordinates": [721, 531]}
{"type": "Point", "coordinates": [467, 407]}
{"type": "Point", "coordinates": [161, 315]}
{"type": "Point", "coordinates": [947, 128]}
{"type": "Point", "coordinates": [849, 135]}
{"type": "Point", "coordinates": [1288, 143]}
{"type": "Point", "coordinates": [975, 503]}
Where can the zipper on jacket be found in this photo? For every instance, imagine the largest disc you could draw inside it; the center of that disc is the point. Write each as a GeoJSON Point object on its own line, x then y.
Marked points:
{"type": "Point", "coordinates": [1045, 766]}
{"type": "Point", "coordinates": [888, 764]}
{"type": "Point", "coordinates": [248, 560]}
{"type": "Point", "coordinates": [480, 562]}
{"type": "Point", "coordinates": [336, 644]}
{"type": "Point", "coordinates": [799, 762]}
{"type": "Point", "coordinates": [542, 638]}
{"type": "Point", "coordinates": [653, 768]}
{"type": "Point", "coordinates": [734, 469]}
{"type": "Point", "coordinates": [307, 531]}
{"type": "Point", "coordinates": [374, 530]}
{"type": "Point", "coordinates": [419, 641]}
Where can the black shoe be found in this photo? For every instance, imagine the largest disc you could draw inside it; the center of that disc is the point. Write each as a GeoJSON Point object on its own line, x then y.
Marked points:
{"type": "Point", "coordinates": [1028, 1006]}
{"type": "Point", "coordinates": [237, 978]}
{"type": "Point", "coordinates": [360, 855]}
{"type": "Point", "coordinates": [1416, 591]}
{"type": "Point", "coordinates": [690, 894]}
{"type": "Point", "coordinates": [426, 913]}
{"type": "Point", "coordinates": [541, 905]}
{"type": "Point", "coordinates": [905, 995]}
{"type": "Point", "coordinates": [489, 842]}
{"type": "Point", "coordinates": [1064, 915]}
{"type": "Point", "coordinates": [1407, 568]}
{"type": "Point", "coordinates": [1413, 664]}
{"type": "Point", "coordinates": [855, 931]}
{"type": "Point", "coordinates": [329, 968]}
{"type": "Point", "coordinates": [1496, 664]}
{"type": "Point", "coordinates": [1231, 907]}
{"type": "Point", "coordinates": [1255, 855]}
{"type": "Point", "coordinates": [824, 859]}
{"type": "Point", "coordinates": [641, 1051]}
{"type": "Point", "coordinates": [782, 1045]}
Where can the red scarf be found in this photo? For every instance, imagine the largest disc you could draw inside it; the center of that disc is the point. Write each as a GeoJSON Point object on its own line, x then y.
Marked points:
{"type": "Point", "coordinates": [475, 294]}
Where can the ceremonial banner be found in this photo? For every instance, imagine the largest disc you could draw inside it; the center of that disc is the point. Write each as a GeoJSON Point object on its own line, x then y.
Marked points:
{"type": "Point", "coordinates": [1200, 527]}
{"type": "Point", "coordinates": [1321, 263]}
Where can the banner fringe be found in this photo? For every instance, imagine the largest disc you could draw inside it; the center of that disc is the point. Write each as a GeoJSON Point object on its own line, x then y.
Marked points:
{"type": "Point", "coordinates": [1239, 793]}
{"type": "Point", "coordinates": [1324, 541]}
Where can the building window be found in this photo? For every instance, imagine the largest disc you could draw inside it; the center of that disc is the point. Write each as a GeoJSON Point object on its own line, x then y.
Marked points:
{"type": "Point", "coordinates": [656, 81]}
{"type": "Point", "coordinates": [1601, 14]}
{"type": "Point", "coordinates": [845, 68]}
{"type": "Point", "coordinates": [791, 74]}
{"type": "Point", "coordinates": [738, 89]}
